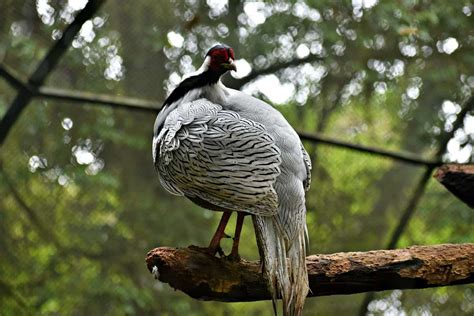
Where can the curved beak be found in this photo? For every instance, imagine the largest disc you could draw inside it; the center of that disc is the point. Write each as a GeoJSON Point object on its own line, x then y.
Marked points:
{"type": "Point", "coordinates": [230, 65]}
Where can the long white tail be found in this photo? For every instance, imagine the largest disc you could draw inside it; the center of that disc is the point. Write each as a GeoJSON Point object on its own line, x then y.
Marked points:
{"type": "Point", "coordinates": [284, 259]}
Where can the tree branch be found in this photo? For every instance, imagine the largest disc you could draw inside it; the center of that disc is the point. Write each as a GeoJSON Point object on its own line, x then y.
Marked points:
{"type": "Point", "coordinates": [459, 180]}
{"type": "Point", "coordinates": [235, 83]}
{"type": "Point", "coordinates": [44, 68]}
{"type": "Point", "coordinates": [400, 155]}
{"type": "Point", "coordinates": [100, 99]}
{"type": "Point", "coordinates": [153, 107]}
{"type": "Point", "coordinates": [204, 277]}
{"type": "Point", "coordinates": [415, 198]}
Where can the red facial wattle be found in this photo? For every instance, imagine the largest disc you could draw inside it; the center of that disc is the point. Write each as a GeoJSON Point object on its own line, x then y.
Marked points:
{"type": "Point", "coordinates": [221, 58]}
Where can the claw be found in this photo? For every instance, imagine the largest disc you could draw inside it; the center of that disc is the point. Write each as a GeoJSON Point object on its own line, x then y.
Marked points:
{"type": "Point", "coordinates": [215, 247]}
{"type": "Point", "coordinates": [233, 258]}
{"type": "Point", "coordinates": [208, 250]}
{"type": "Point", "coordinates": [219, 251]}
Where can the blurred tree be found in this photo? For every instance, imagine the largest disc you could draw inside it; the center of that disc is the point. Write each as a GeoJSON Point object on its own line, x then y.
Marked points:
{"type": "Point", "coordinates": [78, 182]}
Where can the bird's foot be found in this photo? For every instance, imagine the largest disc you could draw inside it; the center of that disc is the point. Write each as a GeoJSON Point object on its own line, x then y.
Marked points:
{"type": "Point", "coordinates": [233, 257]}
{"type": "Point", "coordinates": [212, 251]}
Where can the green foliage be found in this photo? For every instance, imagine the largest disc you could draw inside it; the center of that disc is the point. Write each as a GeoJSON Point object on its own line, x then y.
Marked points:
{"type": "Point", "coordinates": [81, 205]}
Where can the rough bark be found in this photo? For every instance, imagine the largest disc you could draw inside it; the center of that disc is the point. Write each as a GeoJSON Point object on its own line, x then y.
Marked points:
{"type": "Point", "coordinates": [205, 277]}
{"type": "Point", "coordinates": [459, 180]}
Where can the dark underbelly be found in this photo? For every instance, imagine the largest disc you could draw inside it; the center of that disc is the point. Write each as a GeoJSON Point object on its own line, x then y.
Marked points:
{"type": "Point", "coordinates": [207, 205]}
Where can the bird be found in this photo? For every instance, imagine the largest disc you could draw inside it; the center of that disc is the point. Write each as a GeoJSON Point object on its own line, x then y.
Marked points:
{"type": "Point", "coordinates": [227, 151]}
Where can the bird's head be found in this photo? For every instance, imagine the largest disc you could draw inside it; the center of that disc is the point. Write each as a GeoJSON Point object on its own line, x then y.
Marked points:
{"type": "Point", "coordinates": [220, 59]}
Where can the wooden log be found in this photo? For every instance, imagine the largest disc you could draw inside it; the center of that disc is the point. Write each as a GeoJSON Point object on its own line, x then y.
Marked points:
{"type": "Point", "coordinates": [459, 180]}
{"type": "Point", "coordinates": [205, 277]}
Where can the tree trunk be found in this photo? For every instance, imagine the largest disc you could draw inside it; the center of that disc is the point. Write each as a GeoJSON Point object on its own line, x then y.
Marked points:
{"type": "Point", "coordinates": [459, 180]}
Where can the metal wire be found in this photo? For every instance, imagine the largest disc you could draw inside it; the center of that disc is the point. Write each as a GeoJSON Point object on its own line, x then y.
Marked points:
{"type": "Point", "coordinates": [49, 62]}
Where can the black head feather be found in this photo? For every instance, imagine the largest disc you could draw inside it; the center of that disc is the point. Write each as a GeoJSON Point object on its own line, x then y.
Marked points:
{"type": "Point", "coordinates": [208, 77]}
{"type": "Point", "coordinates": [198, 81]}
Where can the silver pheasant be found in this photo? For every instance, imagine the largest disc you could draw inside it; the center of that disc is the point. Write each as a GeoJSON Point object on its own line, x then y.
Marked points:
{"type": "Point", "coordinates": [228, 151]}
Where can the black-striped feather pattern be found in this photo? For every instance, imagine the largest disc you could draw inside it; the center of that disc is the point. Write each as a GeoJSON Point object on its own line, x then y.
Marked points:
{"type": "Point", "coordinates": [308, 166]}
{"type": "Point", "coordinates": [213, 154]}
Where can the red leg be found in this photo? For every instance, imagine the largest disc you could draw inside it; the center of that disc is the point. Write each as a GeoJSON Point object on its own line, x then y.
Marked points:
{"type": "Point", "coordinates": [234, 255]}
{"type": "Point", "coordinates": [214, 246]}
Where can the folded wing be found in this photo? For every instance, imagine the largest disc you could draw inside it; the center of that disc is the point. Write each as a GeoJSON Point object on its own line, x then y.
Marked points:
{"type": "Point", "coordinates": [211, 154]}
